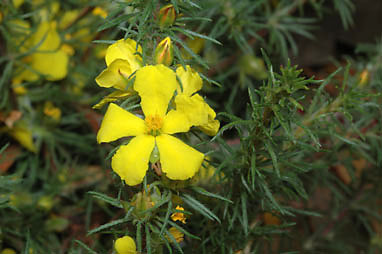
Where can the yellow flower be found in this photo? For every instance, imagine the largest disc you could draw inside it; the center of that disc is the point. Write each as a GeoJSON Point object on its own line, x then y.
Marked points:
{"type": "Point", "coordinates": [156, 86]}
{"type": "Point", "coordinates": [18, 88]}
{"type": "Point", "coordinates": [207, 173]}
{"type": "Point", "coordinates": [47, 58]}
{"type": "Point", "coordinates": [125, 245]}
{"type": "Point", "coordinates": [178, 236]}
{"type": "Point", "coordinates": [17, 3]}
{"type": "Point", "coordinates": [122, 59]}
{"type": "Point", "coordinates": [98, 11]}
{"type": "Point", "coordinates": [179, 216]}
{"type": "Point", "coordinates": [22, 133]}
{"type": "Point", "coordinates": [194, 106]}
{"type": "Point", "coordinates": [195, 44]}
{"type": "Point", "coordinates": [8, 251]}
{"type": "Point", "coordinates": [52, 111]}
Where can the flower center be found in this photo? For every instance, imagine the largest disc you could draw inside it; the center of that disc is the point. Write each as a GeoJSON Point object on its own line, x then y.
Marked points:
{"type": "Point", "coordinates": [154, 124]}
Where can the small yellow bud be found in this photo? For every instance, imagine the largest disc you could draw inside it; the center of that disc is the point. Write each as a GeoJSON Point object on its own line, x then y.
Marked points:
{"type": "Point", "coordinates": [164, 52]}
{"type": "Point", "coordinates": [166, 16]}
{"type": "Point", "coordinates": [45, 203]}
{"type": "Point", "coordinates": [125, 245]}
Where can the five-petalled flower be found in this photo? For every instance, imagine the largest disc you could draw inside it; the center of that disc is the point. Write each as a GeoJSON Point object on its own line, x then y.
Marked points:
{"type": "Point", "coordinates": [156, 86]}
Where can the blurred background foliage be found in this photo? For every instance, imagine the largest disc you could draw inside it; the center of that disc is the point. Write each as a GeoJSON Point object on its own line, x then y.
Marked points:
{"type": "Point", "coordinates": [295, 167]}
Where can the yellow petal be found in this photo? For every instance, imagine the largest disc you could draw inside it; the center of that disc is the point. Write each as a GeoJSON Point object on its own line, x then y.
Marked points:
{"type": "Point", "coordinates": [17, 3]}
{"type": "Point", "coordinates": [191, 81]}
{"type": "Point", "coordinates": [115, 75]}
{"type": "Point", "coordinates": [125, 245]}
{"type": "Point", "coordinates": [174, 122]}
{"type": "Point", "coordinates": [198, 113]}
{"type": "Point", "coordinates": [46, 37]}
{"type": "Point", "coordinates": [156, 85]}
{"type": "Point", "coordinates": [212, 126]}
{"type": "Point", "coordinates": [179, 161]}
{"type": "Point", "coordinates": [118, 123]}
{"type": "Point", "coordinates": [195, 108]}
{"type": "Point", "coordinates": [130, 162]}
{"type": "Point", "coordinates": [53, 65]}
{"type": "Point", "coordinates": [21, 133]}
{"type": "Point", "coordinates": [126, 50]}
{"type": "Point", "coordinates": [26, 74]}
{"type": "Point", "coordinates": [68, 18]}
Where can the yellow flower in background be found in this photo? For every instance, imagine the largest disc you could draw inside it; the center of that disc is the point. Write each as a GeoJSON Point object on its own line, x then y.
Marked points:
{"type": "Point", "coordinates": [195, 44]}
{"type": "Point", "coordinates": [179, 216]}
{"type": "Point", "coordinates": [156, 86]}
{"type": "Point", "coordinates": [178, 236]}
{"type": "Point", "coordinates": [52, 111]}
{"type": "Point", "coordinates": [125, 245]}
{"type": "Point", "coordinates": [23, 135]}
{"type": "Point", "coordinates": [68, 18]}
{"type": "Point", "coordinates": [17, 88]}
{"type": "Point", "coordinates": [207, 174]}
{"type": "Point", "coordinates": [193, 105]}
{"type": "Point", "coordinates": [47, 12]}
{"type": "Point", "coordinates": [98, 11]}
{"type": "Point", "coordinates": [122, 59]}
{"type": "Point", "coordinates": [17, 3]}
{"type": "Point", "coordinates": [46, 58]}
{"type": "Point", "coordinates": [8, 251]}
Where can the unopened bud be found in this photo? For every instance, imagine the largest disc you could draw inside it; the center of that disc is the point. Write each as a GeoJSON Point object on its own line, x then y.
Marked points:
{"type": "Point", "coordinates": [166, 16]}
{"type": "Point", "coordinates": [253, 66]}
{"type": "Point", "coordinates": [164, 52]}
{"type": "Point", "coordinates": [364, 77]}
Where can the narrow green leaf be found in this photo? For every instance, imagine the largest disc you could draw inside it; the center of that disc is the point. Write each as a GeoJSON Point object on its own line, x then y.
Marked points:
{"type": "Point", "coordinates": [209, 194]}
{"type": "Point", "coordinates": [269, 148]}
{"type": "Point", "coordinates": [84, 246]}
{"type": "Point", "coordinates": [167, 217]}
{"type": "Point", "coordinates": [200, 207]}
{"type": "Point", "coordinates": [148, 239]}
{"type": "Point", "coordinates": [244, 212]}
{"type": "Point", "coordinates": [112, 223]}
{"type": "Point", "coordinates": [107, 199]}
{"type": "Point", "coordinates": [139, 236]}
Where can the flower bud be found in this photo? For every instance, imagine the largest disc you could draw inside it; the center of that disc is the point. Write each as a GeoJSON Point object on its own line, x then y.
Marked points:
{"type": "Point", "coordinates": [166, 16]}
{"type": "Point", "coordinates": [364, 78]}
{"type": "Point", "coordinates": [143, 201]}
{"type": "Point", "coordinates": [253, 66]}
{"type": "Point", "coordinates": [164, 52]}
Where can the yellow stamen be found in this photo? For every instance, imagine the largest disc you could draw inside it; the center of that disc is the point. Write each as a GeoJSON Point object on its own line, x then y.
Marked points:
{"type": "Point", "coordinates": [154, 124]}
